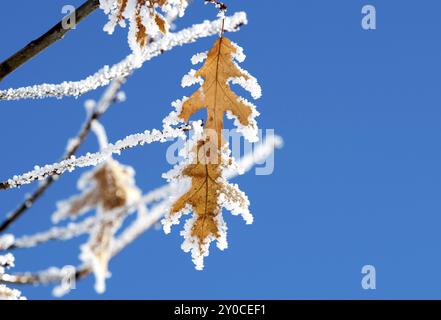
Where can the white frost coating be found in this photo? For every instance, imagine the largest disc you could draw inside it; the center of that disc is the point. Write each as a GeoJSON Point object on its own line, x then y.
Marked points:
{"type": "Point", "coordinates": [10, 294]}
{"type": "Point", "coordinates": [199, 57]}
{"type": "Point", "coordinates": [6, 241]}
{"type": "Point", "coordinates": [250, 84]}
{"type": "Point", "coordinates": [121, 96]}
{"type": "Point", "coordinates": [126, 66]}
{"type": "Point", "coordinates": [142, 223]}
{"type": "Point", "coordinates": [173, 118]}
{"type": "Point", "coordinates": [100, 270]}
{"type": "Point", "coordinates": [93, 159]}
{"type": "Point", "coordinates": [97, 192]}
{"type": "Point", "coordinates": [261, 151]}
{"type": "Point", "coordinates": [66, 285]}
{"type": "Point", "coordinates": [230, 197]}
{"type": "Point", "coordinates": [251, 131]}
{"type": "Point", "coordinates": [132, 11]}
{"type": "Point", "coordinates": [100, 133]}
{"type": "Point", "coordinates": [70, 231]}
{"type": "Point", "coordinates": [190, 79]}
{"type": "Point", "coordinates": [6, 262]}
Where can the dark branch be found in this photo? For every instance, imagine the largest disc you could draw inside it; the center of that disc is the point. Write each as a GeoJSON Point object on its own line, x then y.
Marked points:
{"type": "Point", "coordinates": [50, 37]}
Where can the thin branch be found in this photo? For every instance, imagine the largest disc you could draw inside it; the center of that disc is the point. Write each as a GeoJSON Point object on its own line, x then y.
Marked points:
{"type": "Point", "coordinates": [108, 98]}
{"type": "Point", "coordinates": [218, 4]}
{"type": "Point", "coordinates": [93, 159]}
{"type": "Point", "coordinates": [261, 152]}
{"type": "Point", "coordinates": [131, 233]}
{"type": "Point", "coordinates": [36, 46]}
{"type": "Point", "coordinates": [103, 76]}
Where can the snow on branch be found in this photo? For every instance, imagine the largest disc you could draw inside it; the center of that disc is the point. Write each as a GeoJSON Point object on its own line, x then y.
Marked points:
{"type": "Point", "coordinates": [160, 195]}
{"type": "Point", "coordinates": [36, 46]}
{"type": "Point", "coordinates": [93, 159]}
{"type": "Point", "coordinates": [109, 97]}
{"type": "Point", "coordinates": [7, 261]}
{"type": "Point", "coordinates": [125, 67]}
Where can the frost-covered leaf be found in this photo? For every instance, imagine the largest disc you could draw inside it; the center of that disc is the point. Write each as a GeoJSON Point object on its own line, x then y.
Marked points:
{"type": "Point", "coordinates": [206, 164]}
{"type": "Point", "coordinates": [216, 95]}
{"type": "Point", "coordinates": [107, 188]}
{"type": "Point", "coordinates": [6, 262]}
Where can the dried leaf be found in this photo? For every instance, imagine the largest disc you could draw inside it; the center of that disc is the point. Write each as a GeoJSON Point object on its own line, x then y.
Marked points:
{"type": "Point", "coordinates": [209, 190]}
{"type": "Point", "coordinates": [150, 6]}
{"type": "Point", "coordinates": [107, 188]}
{"type": "Point", "coordinates": [161, 23]}
{"type": "Point", "coordinates": [215, 94]}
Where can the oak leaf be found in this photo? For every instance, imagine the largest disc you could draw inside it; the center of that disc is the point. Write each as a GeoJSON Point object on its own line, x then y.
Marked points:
{"type": "Point", "coordinates": [107, 188]}
{"type": "Point", "coordinates": [202, 196]}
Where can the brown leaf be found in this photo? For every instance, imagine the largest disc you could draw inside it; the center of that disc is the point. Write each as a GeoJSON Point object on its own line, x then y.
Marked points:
{"type": "Point", "coordinates": [109, 189]}
{"type": "Point", "coordinates": [203, 195]}
{"type": "Point", "coordinates": [215, 94]}
{"type": "Point", "coordinates": [142, 32]}
{"type": "Point", "coordinates": [122, 5]}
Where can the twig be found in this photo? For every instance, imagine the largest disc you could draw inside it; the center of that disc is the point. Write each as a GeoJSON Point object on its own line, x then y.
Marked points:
{"type": "Point", "coordinates": [103, 76]}
{"type": "Point", "coordinates": [106, 100]}
{"type": "Point", "coordinates": [131, 233]}
{"type": "Point", "coordinates": [92, 159]}
{"type": "Point", "coordinates": [50, 37]}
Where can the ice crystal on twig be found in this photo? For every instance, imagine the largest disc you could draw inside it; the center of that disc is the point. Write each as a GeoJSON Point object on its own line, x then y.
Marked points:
{"type": "Point", "coordinates": [144, 18]}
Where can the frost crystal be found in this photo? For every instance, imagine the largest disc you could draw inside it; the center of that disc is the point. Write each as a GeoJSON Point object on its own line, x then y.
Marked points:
{"type": "Point", "coordinates": [144, 19]}
{"type": "Point", "coordinates": [107, 188]}
{"type": "Point", "coordinates": [122, 69]}
{"type": "Point", "coordinates": [6, 262]}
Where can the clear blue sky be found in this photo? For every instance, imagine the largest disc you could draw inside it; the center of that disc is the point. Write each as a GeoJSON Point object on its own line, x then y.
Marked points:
{"type": "Point", "coordinates": [357, 183]}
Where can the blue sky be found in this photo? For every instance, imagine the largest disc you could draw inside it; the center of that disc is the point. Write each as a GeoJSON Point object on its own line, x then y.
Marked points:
{"type": "Point", "coordinates": [357, 183]}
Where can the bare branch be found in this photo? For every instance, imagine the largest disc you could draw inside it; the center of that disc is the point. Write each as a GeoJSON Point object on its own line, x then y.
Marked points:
{"type": "Point", "coordinates": [36, 46]}
{"type": "Point", "coordinates": [108, 98]}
